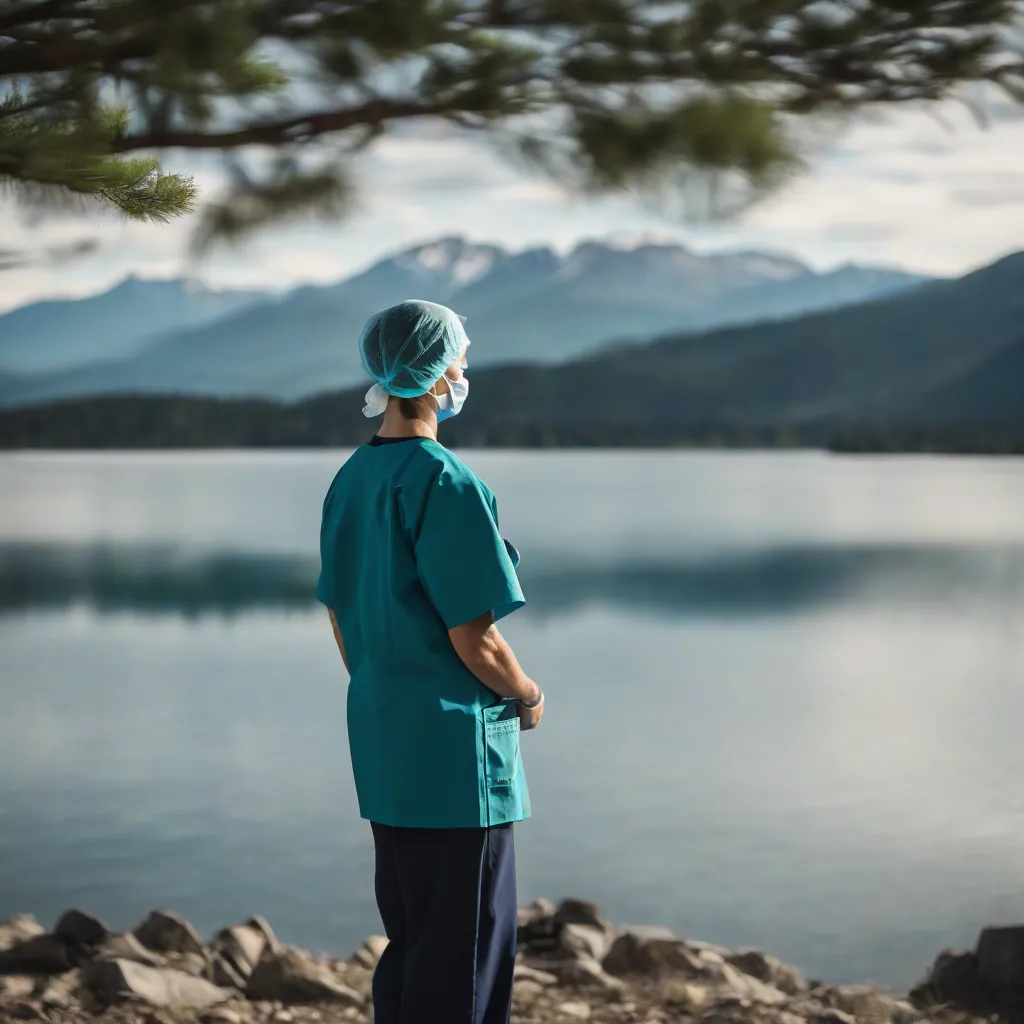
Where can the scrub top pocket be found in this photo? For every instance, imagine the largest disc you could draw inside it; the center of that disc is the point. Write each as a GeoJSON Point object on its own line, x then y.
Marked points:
{"type": "Point", "coordinates": [506, 783]}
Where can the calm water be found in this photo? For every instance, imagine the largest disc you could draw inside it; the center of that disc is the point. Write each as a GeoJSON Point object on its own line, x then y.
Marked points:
{"type": "Point", "coordinates": [786, 696]}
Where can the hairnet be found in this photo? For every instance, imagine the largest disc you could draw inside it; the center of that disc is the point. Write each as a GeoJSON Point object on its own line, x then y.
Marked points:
{"type": "Point", "coordinates": [407, 347]}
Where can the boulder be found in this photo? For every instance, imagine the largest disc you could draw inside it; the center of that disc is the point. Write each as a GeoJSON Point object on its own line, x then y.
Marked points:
{"type": "Point", "coordinates": [537, 928]}
{"type": "Point", "coordinates": [528, 992]}
{"type": "Point", "coordinates": [82, 928]}
{"type": "Point", "coordinates": [744, 987]}
{"type": "Point", "coordinates": [44, 954]}
{"type": "Point", "coordinates": [584, 940]}
{"type": "Point", "coordinates": [651, 951]}
{"type": "Point", "coordinates": [115, 981]}
{"type": "Point", "coordinates": [834, 1017]}
{"type": "Point", "coordinates": [574, 911]}
{"type": "Point", "coordinates": [369, 953]}
{"type": "Point", "coordinates": [539, 913]}
{"type": "Point", "coordinates": [1000, 956]}
{"type": "Point", "coordinates": [865, 1004]}
{"type": "Point", "coordinates": [19, 928]}
{"type": "Point", "coordinates": [222, 1015]}
{"type": "Point", "coordinates": [953, 979]}
{"type": "Point", "coordinates": [24, 1009]}
{"type": "Point", "coordinates": [291, 976]}
{"type": "Point", "coordinates": [260, 923]}
{"type": "Point", "coordinates": [573, 1011]}
{"type": "Point", "coordinates": [240, 947]}
{"type": "Point", "coordinates": [688, 996]}
{"type": "Point", "coordinates": [127, 947]}
{"type": "Point", "coordinates": [196, 964]}
{"type": "Point", "coordinates": [767, 969]}
{"type": "Point", "coordinates": [543, 978]}
{"type": "Point", "coordinates": [584, 974]}
{"type": "Point", "coordinates": [60, 992]}
{"type": "Point", "coordinates": [223, 972]}
{"type": "Point", "coordinates": [16, 986]}
{"type": "Point", "coordinates": [166, 931]}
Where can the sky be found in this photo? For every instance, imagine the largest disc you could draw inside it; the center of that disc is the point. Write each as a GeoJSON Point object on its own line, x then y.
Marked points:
{"type": "Point", "coordinates": [928, 191]}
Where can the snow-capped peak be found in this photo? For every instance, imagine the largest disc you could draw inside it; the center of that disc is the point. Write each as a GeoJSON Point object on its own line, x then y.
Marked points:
{"type": "Point", "coordinates": [455, 259]}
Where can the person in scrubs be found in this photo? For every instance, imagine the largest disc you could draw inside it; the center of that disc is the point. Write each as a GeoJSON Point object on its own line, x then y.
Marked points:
{"type": "Point", "coordinates": [416, 575]}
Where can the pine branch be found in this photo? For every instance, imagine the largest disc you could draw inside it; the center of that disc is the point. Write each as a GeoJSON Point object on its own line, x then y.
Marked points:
{"type": "Point", "coordinates": [609, 94]}
{"type": "Point", "coordinates": [287, 131]}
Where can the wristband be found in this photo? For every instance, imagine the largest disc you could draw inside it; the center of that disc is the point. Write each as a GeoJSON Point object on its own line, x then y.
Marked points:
{"type": "Point", "coordinates": [530, 705]}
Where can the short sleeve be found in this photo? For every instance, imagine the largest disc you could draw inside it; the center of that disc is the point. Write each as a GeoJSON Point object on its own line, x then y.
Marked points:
{"type": "Point", "coordinates": [325, 580]}
{"type": "Point", "coordinates": [462, 561]}
{"type": "Point", "coordinates": [323, 589]}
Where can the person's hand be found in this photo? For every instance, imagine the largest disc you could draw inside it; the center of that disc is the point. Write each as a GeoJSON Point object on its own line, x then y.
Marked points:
{"type": "Point", "coordinates": [529, 718]}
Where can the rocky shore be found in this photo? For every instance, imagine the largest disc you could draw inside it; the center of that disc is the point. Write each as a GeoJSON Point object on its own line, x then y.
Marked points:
{"type": "Point", "coordinates": [573, 966]}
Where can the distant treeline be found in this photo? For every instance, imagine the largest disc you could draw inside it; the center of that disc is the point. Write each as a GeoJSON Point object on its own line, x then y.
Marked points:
{"type": "Point", "coordinates": [334, 421]}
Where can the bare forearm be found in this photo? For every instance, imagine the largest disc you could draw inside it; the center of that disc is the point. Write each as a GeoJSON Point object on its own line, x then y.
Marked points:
{"type": "Point", "coordinates": [485, 652]}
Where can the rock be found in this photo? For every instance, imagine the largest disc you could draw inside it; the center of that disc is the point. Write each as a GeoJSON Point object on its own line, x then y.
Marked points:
{"type": "Point", "coordinates": [543, 978]}
{"type": "Point", "coordinates": [196, 964]}
{"type": "Point", "coordinates": [651, 951]}
{"type": "Point", "coordinates": [686, 995]}
{"type": "Point", "coordinates": [24, 1009]}
{"type": "Point", "coordinates": [259, 922]}
{"type": "Point", "coordinates": [115, 981]}
{"type": "Point", "coordinates": [537, 928]}
{"type": "Point", "coordinates": [44, 954]}
{"type": "Point", "coordinates": [237, 950]}
{"type": "Point", "coordinates": [767, 969]}
{"type": "Point", "coordinates": [127, 947]}
{"type": "Point", "coordinates": [527, 991]}
{"type": "Point", "coordinates": [574, 1011]}
{"type": "Point", "coordinates": [586, 940]}
{"type": "Point", "coordinates": [867, 1005]}
{"type": "Point", "coordinates": [19, 928]}
{"type": "Point", "coordinates": [370, 952]}
{"type": "Point", "coordinates": [538, 914]}
{"type": "Point", "coordinates": [573, 911]}
{"type": "Point", "coordinates": [60, 991]}
{"type": "Point", "coordinates": [222, 1015]}
{"type": "Point", "coordinates": [166, 931]}
{"type": "Point", "coordinates": [834, 1017]}
{"type": "Point", "coordinates": [1000, 954]}
{"type": "Point", "coordinates": [952, 979]}
{"type": "Point", "coordinates": [79, 927]}
{"type": "Point", "coordinates": [291, 976]}
{"type": "Point", "coordinates": [223, 972]}
{"type": "Point", "coordinates": [17, 987]}
{"type": "Point", "coordinates": [746, 988]}
{"type": "Point", "coordinates": [584, 974]}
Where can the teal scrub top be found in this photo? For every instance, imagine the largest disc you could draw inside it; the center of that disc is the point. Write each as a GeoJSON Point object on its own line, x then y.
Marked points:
{"type": "Point", "coordinates": [410, 548]}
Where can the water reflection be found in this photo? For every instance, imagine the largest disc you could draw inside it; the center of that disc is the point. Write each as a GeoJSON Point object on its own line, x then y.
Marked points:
{"type": "Point", "coordinates": [772, 580]}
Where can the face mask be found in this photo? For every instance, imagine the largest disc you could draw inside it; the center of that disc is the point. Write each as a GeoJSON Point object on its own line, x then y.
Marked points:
{"type": "Point", "coordinates": [450, 403]}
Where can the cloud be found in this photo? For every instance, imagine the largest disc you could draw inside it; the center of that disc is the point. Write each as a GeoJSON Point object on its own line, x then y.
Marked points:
{"type": "Point", "coordinates": [936, 194]}
{"type": "Point", "coordinates": [989, 196]}
{"type": "Point", "coordinates": [895, 192]}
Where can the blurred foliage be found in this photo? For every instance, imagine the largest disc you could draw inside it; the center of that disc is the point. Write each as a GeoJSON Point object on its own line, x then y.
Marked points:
{"type": "Point", "coordinates": [606, 94]}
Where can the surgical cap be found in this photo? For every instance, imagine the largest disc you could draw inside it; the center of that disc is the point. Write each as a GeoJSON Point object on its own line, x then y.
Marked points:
{"type": "Point", "coordinates": [407, 347]}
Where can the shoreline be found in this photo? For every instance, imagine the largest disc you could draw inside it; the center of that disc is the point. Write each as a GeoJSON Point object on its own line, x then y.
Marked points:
{"type": "Point", "coordinates": [573, 965]}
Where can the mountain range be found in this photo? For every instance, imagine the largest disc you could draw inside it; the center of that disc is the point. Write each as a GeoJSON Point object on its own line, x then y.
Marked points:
{"type": "Point", "coordinates": [59, 334]}
{"type": "Point", "coordinates": [534, 306]}
{"type": "Point", "coordinates": [936, 367]}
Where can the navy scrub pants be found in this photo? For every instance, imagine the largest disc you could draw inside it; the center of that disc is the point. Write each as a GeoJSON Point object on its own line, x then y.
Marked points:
{"type": "Point", "coordinates": [447, 898]}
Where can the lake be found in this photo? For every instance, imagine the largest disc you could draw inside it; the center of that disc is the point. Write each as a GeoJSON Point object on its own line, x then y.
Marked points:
{"type": "Point", "coordinates": [786, 696]}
